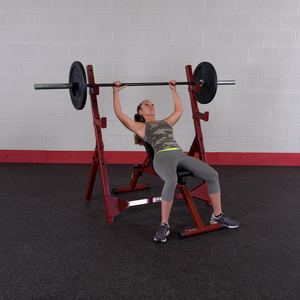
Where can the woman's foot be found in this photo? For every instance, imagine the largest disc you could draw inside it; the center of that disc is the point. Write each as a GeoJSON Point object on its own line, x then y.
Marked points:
{"type": "Point", "coordinates": [224, 221]}
{"type": "Point", "coordinates": [162, 233]}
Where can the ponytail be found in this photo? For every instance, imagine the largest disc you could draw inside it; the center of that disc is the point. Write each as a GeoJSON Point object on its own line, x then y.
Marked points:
{"type": "Point", "coordinates": [138, 118]}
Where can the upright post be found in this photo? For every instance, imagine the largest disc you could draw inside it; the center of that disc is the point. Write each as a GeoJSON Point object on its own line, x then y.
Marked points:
{"type": "Point", "coordinates": [197, 146]}
{"type": "Point", "coordinates": [112, 205]}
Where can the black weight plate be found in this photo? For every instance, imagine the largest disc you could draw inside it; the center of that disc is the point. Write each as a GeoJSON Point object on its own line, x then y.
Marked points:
{"type": "Point", "coordinates": [206, 73]}
{"type": "Point", "coordinates": [78, 92]}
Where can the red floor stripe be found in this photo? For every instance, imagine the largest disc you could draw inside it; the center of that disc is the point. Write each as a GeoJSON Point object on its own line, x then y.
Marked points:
{"type": "Point", "coordinates": [132, 157]}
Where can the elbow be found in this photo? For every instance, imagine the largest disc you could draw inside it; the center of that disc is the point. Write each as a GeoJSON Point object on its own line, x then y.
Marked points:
{"type": "Point", "coordinates": [118, 114]}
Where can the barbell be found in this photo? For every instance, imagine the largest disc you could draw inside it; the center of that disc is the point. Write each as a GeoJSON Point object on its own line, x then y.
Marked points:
{"type": "Point", "coordinates": [204, 73]}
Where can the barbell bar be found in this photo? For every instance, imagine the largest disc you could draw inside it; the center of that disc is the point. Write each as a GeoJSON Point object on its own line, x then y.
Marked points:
{"type": "Point", "coordinates": [61, 86]}
{"type": "Point", "coordinates": [204, 73]}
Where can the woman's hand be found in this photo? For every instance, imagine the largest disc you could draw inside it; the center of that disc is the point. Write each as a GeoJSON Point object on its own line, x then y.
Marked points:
{"type": "Point", "coordinates": [172, 84]}
{"type": "Point", "coordinates": [118, 86]}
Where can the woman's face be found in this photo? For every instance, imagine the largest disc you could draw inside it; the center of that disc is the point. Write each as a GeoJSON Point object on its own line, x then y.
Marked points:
{"type": "Point", "coordinates": [147, 108]}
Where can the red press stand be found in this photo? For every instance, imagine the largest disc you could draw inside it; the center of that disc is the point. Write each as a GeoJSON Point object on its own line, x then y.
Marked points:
{"type": "Point", "coordinates": [113, 205]}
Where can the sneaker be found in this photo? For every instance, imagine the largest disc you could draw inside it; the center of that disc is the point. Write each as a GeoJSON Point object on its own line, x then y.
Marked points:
{"type": "Point", "coordinates": [162, 233]}
{"type": "Point", "coordinates": [224, 221]}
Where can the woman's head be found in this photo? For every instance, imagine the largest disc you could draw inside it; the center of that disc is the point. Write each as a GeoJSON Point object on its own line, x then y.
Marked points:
{"type": "Point", "coordinates": [138, 117]}
{"type": "Point", "coordinates": [145, 108]}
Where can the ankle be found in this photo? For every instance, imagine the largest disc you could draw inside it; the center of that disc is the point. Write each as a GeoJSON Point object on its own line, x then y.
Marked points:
{"type": "Point", "coordinates": [218, 215]}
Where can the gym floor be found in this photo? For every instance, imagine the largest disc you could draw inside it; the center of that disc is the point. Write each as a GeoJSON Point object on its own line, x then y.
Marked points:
{"type": "Point", "coordinates": [54, 245]}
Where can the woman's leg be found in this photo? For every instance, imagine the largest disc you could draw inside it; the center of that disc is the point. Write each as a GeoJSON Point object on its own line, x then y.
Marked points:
{"type": "Point", "coordinates": [202, 170]}
{"type": "Point", "coordinates": [165, 211]}
{"type": "Point", "coordinates": [165, 165]}
{"type": "Point", "coordinates": [216, 203]}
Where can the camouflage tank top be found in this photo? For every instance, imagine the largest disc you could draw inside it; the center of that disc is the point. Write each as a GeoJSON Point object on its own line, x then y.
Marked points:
{"type": "Point", "coordinates": [160, 136]}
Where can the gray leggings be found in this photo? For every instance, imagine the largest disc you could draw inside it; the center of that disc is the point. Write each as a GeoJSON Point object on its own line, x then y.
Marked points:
{"type": "Point", "coordinates": [165, 164]}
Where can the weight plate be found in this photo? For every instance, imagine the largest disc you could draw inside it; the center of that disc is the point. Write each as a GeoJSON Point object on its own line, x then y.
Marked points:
{"type": "Point", "coordinates": [77, 78]}
{"type": "Point", "coordinates": [206, 73]}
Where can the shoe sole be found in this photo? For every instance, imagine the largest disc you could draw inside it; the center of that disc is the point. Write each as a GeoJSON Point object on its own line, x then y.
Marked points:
{"type": "Point", "coordinates": [230, 226]}
{"type": "Point", "coordinates": [162, 241]}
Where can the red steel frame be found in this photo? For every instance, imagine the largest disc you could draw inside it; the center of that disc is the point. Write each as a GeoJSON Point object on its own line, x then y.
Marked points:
{"type": "Point", "coordinates": [114, 205]}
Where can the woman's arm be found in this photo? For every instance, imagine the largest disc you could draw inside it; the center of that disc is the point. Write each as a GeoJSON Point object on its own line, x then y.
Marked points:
{"type": "Point", "coordinates": [136, 127]}
{"type": "Point", "coordinates": [178, 109]}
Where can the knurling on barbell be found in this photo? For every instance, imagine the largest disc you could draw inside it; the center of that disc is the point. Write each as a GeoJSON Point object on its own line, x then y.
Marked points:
{"type": "Point", "coordinates": [204, 73]}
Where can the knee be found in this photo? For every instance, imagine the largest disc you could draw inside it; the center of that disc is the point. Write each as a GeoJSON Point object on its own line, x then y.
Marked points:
{"type": "Point", "coordinates": [171, 181]}
{"type": "Point", "coordinates": [214, 176]}
{"type": "Point", "coordinates": [169, 190]}
{"type": "Point", "coordinates": [213, 183]}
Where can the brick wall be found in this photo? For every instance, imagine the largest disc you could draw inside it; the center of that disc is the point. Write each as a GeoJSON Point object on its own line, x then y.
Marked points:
{"type": "Point", "coordinates": [254, 42]}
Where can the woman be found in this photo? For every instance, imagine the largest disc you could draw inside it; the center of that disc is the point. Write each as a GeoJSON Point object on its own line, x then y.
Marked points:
{"type": "Point", "coordinates": [168, 155]}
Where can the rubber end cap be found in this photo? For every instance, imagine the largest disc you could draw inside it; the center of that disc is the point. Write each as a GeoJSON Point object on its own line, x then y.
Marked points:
{"type": "Point", "coordinates": [181, 234]}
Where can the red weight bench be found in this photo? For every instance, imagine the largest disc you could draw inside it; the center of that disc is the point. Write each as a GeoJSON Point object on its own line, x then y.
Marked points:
{"type": "Point", "coordinates": [114, 205]}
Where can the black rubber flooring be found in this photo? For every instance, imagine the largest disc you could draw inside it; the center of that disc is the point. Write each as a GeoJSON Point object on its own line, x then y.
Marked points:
{"type": "Point", "coordinates": [54, 245]}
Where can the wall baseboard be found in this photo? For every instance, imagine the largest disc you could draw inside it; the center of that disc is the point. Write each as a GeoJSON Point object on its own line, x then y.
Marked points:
{"type": "Point", "coordinates": [133, 157]}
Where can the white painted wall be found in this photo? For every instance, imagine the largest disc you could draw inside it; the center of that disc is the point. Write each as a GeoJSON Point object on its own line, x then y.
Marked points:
{"type": "Point", "coordinates": [255, 42]}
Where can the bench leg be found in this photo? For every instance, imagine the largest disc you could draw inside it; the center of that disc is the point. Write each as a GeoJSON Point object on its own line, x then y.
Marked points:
{"type": "Point", "coordinates": [200, 227]}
